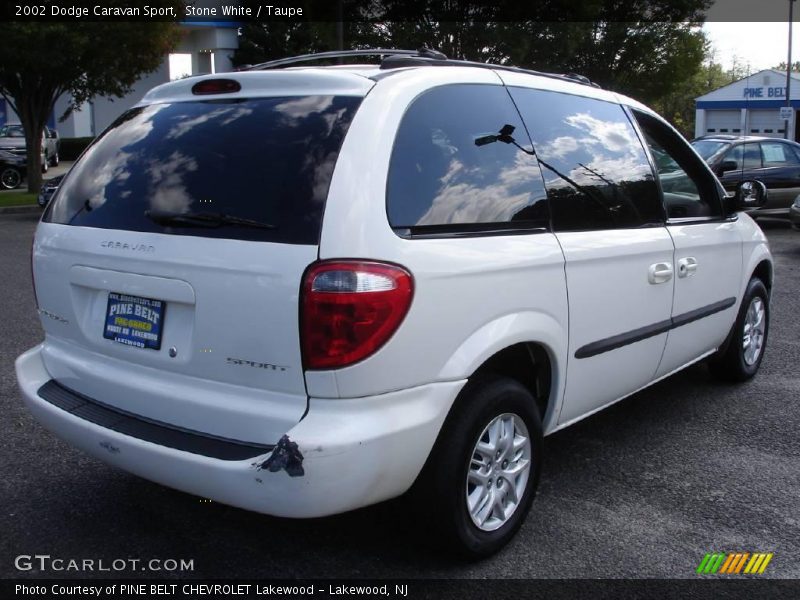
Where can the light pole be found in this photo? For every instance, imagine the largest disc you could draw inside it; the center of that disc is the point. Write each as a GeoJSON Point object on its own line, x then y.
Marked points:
{"type": "Point", "coordinates": [788, 73]}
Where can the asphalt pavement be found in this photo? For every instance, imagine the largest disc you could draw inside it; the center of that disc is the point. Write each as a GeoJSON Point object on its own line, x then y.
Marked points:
{"type": "Point", "coordinates": [641, 490]}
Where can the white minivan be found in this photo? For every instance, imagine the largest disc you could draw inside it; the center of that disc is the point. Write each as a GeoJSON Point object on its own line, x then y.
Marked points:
{"type": "Point", "coordinates": [304, 290]}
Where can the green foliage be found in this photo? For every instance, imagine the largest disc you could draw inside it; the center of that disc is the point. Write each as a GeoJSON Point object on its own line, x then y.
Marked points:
{"type": "Point", "coordinates": [41, 61]}
{"type": "Point", "coordinates": [641, 48]}
{"type": "Point", "coordinates": [679, 105]}
{"type": "Point", "coordinates": [71, 148]}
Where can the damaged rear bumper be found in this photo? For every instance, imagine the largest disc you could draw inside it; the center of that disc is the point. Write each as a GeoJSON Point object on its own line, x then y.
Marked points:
{"type": "Point", "coordinates": [344, 454]}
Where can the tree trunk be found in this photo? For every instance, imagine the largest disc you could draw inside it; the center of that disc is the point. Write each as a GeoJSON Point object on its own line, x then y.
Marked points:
{"type": "Point", "coordinates": [34, 127]}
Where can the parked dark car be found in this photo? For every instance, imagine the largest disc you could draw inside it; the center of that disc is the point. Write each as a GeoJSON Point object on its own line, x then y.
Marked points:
{"type": "Point", "coordinates": [12, 170]}
{"type": "Point", "coordinates": [774, 162]}
{"type": "Point", "coordinates": [49, 188]}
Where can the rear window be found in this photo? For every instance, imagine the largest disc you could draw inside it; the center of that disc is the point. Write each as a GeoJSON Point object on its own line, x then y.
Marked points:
{"type": "Point", "coordinates": [267, 160]}
{"type": "Point", "coordinates": [706, 149]}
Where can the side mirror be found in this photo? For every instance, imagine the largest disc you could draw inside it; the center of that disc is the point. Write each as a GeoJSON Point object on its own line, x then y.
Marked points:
{"type": "Point", "coordinates": [750, 194]}
{"type": "Point", "coordinates": [728, 165]}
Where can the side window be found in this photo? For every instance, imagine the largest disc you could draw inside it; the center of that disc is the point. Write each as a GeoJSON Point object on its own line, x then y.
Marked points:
{"type": "Point", "coordinates": [746, 156]}
{"type": "Point", "coordinates": [752, 156]}
{"type": "Point", "coordinates": [452, 169]}
{"type": "Point", "coordinates": [689, 190]}
{"type": "Point", "coordinates": [595, 169]}
{"type": "Point", "coordinates": [777, 154]}
{"type": "Point", "coordinates": [735, 155]}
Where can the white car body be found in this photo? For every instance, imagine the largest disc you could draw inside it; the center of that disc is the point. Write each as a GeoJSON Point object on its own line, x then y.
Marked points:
{"type": "Point", "coordinates": [365, 430]}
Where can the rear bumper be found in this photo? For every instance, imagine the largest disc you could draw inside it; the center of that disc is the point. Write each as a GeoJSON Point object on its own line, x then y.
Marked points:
{"type": "Point", "coordinates": [355, 452]}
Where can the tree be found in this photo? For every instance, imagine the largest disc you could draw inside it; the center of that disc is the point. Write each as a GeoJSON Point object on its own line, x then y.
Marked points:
{"type": "Point", "coordinates": [679, 105]}
{"type": "Point", "coordinates": [643, 48]}
{"type": "Point", "coordinates": [41, 61]}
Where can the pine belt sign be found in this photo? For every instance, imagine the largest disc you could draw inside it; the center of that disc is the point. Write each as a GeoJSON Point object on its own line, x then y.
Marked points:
{"type": "Point", "coordinates": [765, 92]}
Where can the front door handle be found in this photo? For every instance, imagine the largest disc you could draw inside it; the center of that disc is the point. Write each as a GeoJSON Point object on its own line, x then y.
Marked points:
{"type": "Point", "coordinates": [687, 266]}
{"type": "Point", "coordinates": [659, 273]}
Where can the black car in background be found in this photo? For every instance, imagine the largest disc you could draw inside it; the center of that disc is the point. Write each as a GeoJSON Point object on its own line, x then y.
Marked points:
{"type": "Point", "coordinates": [49, 188]}
{"type": "Point", "coordinates": [12, 170]}
{"type": "Point", "coordinates": [773, 161]}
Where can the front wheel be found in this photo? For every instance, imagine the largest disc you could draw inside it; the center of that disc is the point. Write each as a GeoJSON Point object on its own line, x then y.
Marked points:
{"type": "Point", "coordinates": [482, 474]}
{"type": "Point", "coordinates": [742, 357]}
{"type": "Point", "coordinates": [10, 178]}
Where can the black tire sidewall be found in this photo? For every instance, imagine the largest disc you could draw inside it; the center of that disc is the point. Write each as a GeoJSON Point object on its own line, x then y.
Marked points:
{"type": "Point", "coordinates": [479, 404]}
{"type": "Point", "coordinates": [755, 288]}
{"type": "Point", "coordinates": [3, 175]}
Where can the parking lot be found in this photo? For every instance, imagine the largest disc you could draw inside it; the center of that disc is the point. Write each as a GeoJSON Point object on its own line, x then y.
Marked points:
{"type": "Point", "coordinates": [643, 489]}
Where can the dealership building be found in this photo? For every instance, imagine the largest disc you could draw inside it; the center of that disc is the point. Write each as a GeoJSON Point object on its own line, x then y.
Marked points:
{"type": "Point", "coordinates": [750, 106]}
{"type": "Point", "coordinates": [206, 47]}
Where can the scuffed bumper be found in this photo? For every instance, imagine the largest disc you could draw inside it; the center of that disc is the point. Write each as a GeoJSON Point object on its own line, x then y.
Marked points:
{"type": "Point", "coordinates": [355, 452]}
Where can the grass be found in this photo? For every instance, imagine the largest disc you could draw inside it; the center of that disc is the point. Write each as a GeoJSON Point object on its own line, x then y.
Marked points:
{"type": "Point", "coordinates": [17, 199]}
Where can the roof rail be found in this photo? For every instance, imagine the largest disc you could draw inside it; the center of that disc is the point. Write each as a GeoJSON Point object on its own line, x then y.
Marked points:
{"type": "Point", "coordinates": [399, 61]}
{"type": "Point", "coordinates": [392, 58]}
{"type": "Point", "coordinates": [284, 62]}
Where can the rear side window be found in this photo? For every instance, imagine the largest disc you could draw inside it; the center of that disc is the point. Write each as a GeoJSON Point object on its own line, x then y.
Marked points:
{"type": "Point", "coordinates": [266, 160]}
{"type": "Point", "coordinates": [777, 154]}
{"type": "Point", "coordinates": [451, 171]}
{"type": "Point", "coordinates": [594, 166]}
{"type": "Point", "coordinates": [745, 156]}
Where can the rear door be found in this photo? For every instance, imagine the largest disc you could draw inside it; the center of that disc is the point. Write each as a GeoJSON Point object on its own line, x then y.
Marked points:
{"type": "Point", "coordinates": [708, 249]}
{"type": "Point", "coordinates": [168, 266]}
{"type": "Point", "coordinates": [781, 174]}
{"type": "Point", "coordinates": [610, 225]}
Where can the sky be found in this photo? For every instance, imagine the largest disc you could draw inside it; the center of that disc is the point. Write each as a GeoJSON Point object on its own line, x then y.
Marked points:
{"type": "Point", "coordinates": [760, 45]}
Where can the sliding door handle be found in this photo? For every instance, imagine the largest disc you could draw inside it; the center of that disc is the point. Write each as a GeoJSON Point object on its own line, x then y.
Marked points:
{"type": "Point", "coordinates": [687, 266]}
{"type": "Point", "coordinates": [659, 273]}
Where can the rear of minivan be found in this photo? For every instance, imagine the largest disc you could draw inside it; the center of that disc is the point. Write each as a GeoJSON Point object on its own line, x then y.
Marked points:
{"type": "Point", "coordinates": [169, 273]}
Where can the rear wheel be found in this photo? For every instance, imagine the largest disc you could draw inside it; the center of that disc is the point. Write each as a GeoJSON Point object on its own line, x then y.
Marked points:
{"type": "Point", "coordinates": [10, 178]}
{"type": "Point", "coordinates": [482, 474]}
{"type": "Point", "coordinates": [740, 360]}
{"type": "Point", "coordinates": [54, 160]}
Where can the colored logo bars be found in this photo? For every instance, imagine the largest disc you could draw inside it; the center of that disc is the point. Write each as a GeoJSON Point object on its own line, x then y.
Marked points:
{"type": "Point", "coordinates": [734, 563]}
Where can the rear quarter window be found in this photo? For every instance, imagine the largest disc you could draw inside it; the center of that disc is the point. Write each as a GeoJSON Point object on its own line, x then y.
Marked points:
{"type": "Point", "coordinates": [446, 174]}
{"type": "Point", "coordinates": [267, 159]}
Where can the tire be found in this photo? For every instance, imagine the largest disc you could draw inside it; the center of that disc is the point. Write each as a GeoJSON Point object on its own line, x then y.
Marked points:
{"type": "Point", "coordinates": [739, 359]}
{"type": "Point", "coordinates": [54, 160]}
{"type": "Point", "coordinates": [447, 487]}
{"type": "Point", "coordinates": [10, 178]}
{"type": "Point", "coordinates": [45, 164]}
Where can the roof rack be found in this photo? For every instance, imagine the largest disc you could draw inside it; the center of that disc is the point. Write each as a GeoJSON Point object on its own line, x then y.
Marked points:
{"type": "Point", "coordinates": [291, 60]}
{"type": "Point", "coordinates": [395, 58]}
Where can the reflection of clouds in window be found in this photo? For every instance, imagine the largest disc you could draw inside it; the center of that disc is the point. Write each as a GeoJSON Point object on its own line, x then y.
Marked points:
{"type": "Point", "coordinates": [466, 197]}
{"type": "Point", "coordinates": [440, 140]}
{"type": "Point", "coordinates": [559, 147]}
{"type": "Point", "coordinates": [168, 190]}
{"type": "Point", "coordinates": [615, 136]}
{"type": "Point", "coordinates": [227, 115]}
{"type": "Point", "coordinates": [301, 107]}
{"type": "Point", "coordinates": [615, 170]}
{"type": "Point", "coordinates": [606, 150]}
{"type": "Point", "coordinates": [97, 172]}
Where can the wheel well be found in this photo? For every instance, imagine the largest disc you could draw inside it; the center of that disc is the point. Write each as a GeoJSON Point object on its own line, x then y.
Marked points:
{"type": "Point", "coordinates": [529, 364]}
{"type": "Point", "coordinates": [764, 272]}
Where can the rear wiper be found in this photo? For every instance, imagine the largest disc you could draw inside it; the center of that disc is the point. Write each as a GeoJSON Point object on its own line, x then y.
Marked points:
{"type": "Point", "coordinates": [202, 219]}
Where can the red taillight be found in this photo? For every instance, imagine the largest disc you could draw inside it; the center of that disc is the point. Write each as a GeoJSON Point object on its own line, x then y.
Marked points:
{"type": "Point", "coordinates": [216, 86]}
{"type": "Point", "coordinates": [349, 309]}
